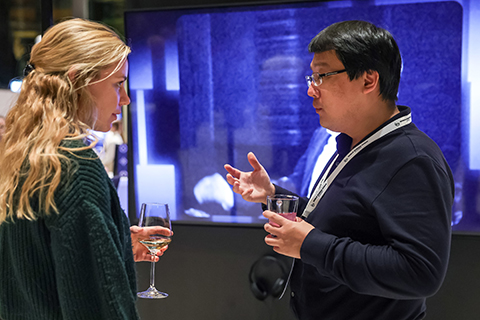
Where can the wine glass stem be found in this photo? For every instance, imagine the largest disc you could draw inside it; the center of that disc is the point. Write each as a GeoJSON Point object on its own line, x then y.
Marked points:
{"type": "Point", "coordinates": [152, 275]}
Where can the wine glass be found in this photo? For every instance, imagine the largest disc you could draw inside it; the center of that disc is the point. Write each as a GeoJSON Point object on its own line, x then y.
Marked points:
{"type": "Point", "coordinates": [154, 214]}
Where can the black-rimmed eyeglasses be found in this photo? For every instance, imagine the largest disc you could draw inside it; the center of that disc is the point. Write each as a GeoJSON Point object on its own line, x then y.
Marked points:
{"type": "Point", "coordinates": [317, 78]}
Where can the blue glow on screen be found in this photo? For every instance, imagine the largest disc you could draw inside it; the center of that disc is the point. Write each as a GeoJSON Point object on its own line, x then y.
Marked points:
{"type": "Point", "coordinates": [209, 85]}
{"type": "Point", "coordinates": [141, 74]}
{"type": "Point", "coordinates": [171, 66]}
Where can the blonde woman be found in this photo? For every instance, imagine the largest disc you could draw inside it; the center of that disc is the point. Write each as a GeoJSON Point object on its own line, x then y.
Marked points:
{"type": "Point", "coordinates": [65, 243]}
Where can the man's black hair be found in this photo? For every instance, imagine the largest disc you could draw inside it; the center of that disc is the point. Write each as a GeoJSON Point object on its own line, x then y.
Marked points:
{"type": "Point", "coordinates": [361, 47]}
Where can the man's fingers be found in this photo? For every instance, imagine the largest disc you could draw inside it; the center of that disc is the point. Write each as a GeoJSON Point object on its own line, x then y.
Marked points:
{"type": "Point", "coordinates": [272, 216]}
{"type": "Point", "coordinates": [232, 171]}
{"type": "Point", "coordinates": [230, 179]}
{"type": "Point", "coordinates": [267, 227]}
{"type": "Point", "coordinates": [235, 185]}
{"type": "Point", "coordinates": [247, 193]}
{"type": "Point", "coordinates": [252, 159]}
{"type": "Point", "coordinates": [272, 225]}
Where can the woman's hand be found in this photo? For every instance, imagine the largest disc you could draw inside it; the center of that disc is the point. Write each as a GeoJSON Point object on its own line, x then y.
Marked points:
{"type": "Point", "coordinates": [140, 252]}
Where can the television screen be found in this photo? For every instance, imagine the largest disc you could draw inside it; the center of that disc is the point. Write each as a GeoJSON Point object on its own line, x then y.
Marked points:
{"type": "Point", "coordinates": [208, 85]}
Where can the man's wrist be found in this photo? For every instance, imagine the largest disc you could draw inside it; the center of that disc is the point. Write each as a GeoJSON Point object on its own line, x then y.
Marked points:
{"type": "Point", "coordinates": [272, 189]}
{"type": "Point", "coordinates": [271, 192]}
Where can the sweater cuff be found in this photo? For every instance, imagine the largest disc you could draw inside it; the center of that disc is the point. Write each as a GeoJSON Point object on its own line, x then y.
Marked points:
{"type": "Point", "coordinates": [315, 247]}
{"type": "Point", "coordinates": [280, 190]}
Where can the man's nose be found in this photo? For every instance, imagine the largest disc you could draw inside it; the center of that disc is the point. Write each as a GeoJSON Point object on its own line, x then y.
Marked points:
{"type": "Point", "coordinates": [313, 92]}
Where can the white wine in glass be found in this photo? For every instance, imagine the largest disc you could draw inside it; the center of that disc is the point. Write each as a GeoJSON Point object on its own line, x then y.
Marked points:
{"type": "Point", "coordinates": [154, 214]}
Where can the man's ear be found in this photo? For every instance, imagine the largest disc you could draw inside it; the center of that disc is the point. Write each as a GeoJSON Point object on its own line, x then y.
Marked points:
{"type": "Point", "coordinates": [371, 81]}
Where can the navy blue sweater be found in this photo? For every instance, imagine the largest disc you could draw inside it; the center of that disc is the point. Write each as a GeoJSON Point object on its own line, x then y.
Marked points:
{"type": "Point", "coordinates": [382, 232]}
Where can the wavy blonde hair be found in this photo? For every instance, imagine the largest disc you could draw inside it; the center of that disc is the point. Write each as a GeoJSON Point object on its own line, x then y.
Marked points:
{"type": "Point", "coordinates": [54, 105]}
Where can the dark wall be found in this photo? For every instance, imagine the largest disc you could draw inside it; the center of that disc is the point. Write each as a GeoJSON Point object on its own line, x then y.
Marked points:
{"type": "Point", "coordinates": [206, 270]}
{"type": "Point", "coordinates": [458, 297]}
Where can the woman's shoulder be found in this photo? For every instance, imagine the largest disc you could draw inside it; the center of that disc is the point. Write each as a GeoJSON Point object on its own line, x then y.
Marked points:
{"type": "Point", "coordinates": [73, 148]}
{"type": "Point", "coordinates": [81, 167]}
{"type": "Point", "coordinates": [79, 153]}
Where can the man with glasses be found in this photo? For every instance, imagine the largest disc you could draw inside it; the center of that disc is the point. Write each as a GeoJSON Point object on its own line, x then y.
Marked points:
{"type": "Point", "coordinates": [373, 239]}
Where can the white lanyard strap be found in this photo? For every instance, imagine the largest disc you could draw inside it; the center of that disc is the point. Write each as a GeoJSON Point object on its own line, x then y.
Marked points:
{"type": "Point", "coordinates": [326, 182]}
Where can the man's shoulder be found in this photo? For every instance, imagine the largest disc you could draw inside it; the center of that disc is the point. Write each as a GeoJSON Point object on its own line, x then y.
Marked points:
{"type": "Point", "coordinates": [421, 144]}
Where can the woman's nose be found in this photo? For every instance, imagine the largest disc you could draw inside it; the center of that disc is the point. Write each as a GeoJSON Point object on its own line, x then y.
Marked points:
{"type": "Point", "coordinates": [124, 98]}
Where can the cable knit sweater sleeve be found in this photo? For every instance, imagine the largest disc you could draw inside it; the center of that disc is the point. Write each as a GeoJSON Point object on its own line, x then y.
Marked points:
{"type": "Point", "coordinates": [91, 246]}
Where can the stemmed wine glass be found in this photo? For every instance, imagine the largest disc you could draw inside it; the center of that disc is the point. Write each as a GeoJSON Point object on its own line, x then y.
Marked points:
{"type": "Point", "coordinates": [154, 214]}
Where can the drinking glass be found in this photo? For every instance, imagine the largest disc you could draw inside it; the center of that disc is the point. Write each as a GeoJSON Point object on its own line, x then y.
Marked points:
{"type": "Point", "coordinates": [154, 214]}
{"type": "Point", "coordinates": [284, 204]}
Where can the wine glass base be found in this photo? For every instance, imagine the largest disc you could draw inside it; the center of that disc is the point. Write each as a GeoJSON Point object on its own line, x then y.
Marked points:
{"type": "Point", "coordinates": [152, 293]}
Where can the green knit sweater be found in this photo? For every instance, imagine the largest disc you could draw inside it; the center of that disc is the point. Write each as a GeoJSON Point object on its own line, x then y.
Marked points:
{"type": "Point", "coordinates": [77, 264]}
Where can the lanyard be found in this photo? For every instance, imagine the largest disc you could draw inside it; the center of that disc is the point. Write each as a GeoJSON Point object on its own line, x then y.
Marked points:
{"type": "Point", "coordinates": [326, 182]}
